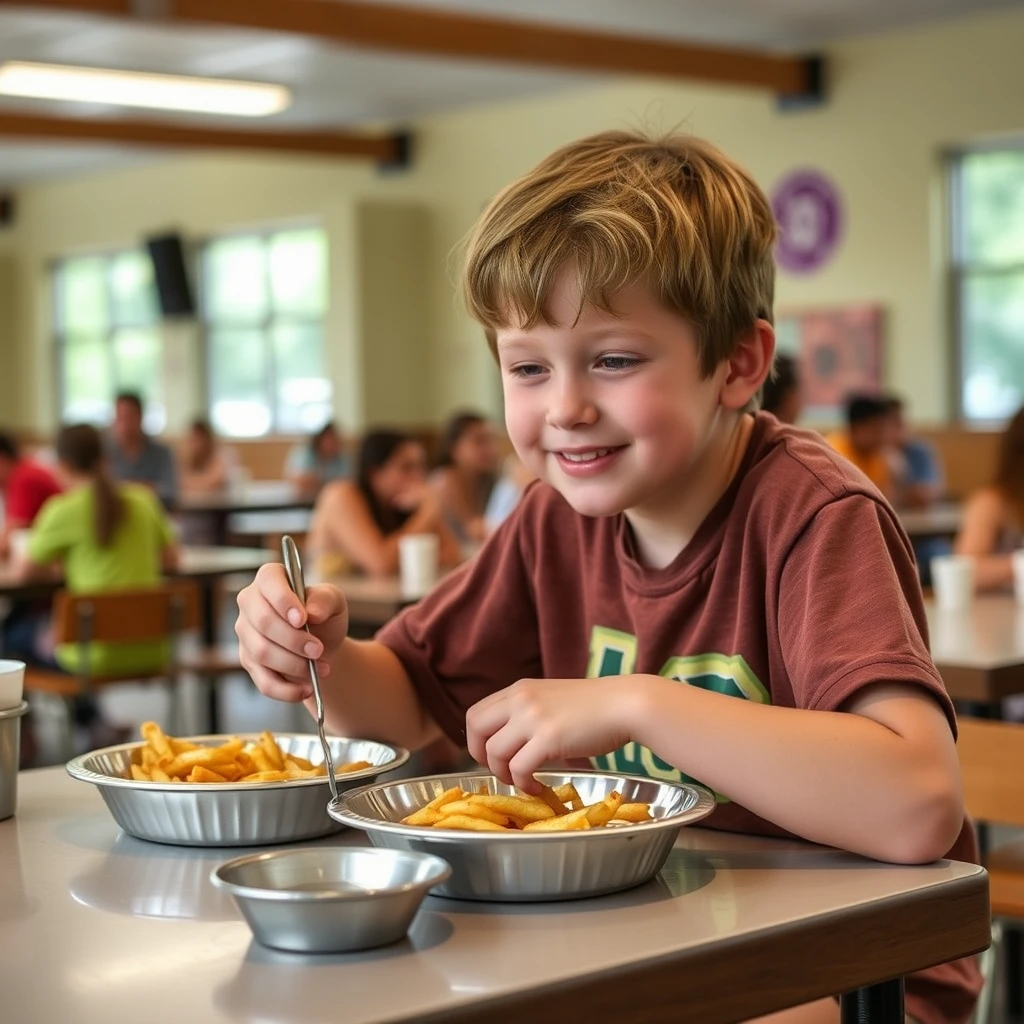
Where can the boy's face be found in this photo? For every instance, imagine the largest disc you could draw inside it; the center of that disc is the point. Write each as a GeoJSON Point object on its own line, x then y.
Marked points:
{"type": "Point", "coordinates": [610, 410]}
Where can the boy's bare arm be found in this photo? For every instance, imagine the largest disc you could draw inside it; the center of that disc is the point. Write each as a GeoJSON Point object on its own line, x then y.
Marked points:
{"type": "Point", "coordinates": [366, 690]}
{"type": "Point", "coordinates": [879, 778]}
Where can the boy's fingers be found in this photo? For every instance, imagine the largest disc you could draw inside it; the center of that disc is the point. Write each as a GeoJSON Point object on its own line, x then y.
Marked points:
{"type": "Point", "coordinates": [323, 602]}
{"type": "Point", "coordinates": [258, 650]}
{"type": "Point", "coordinates": [271, 583]}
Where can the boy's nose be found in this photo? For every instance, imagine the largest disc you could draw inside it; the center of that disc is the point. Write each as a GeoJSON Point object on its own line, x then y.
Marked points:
{"type": "Point", "coordinates": [571, 406]}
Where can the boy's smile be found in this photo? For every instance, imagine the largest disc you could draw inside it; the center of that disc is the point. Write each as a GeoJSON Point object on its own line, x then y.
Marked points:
{"type": "Point", "coordinates": [613, 412]}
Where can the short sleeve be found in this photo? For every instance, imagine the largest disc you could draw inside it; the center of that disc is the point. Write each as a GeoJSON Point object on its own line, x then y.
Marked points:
{"type": "Point", "coordinates": [475, 634]}
{"type": "Point", "coordinates": [164, 529]}
{"type": "Point", "coordinates": [850, 608]}
{"type": "Point", "coordinates": [52, 534]}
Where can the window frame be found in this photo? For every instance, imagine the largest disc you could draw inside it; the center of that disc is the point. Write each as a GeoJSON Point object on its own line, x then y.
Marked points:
{"type": "Point", "coordinates": [960, 269]}
{"type": "Point", "coordinates": [265, 325]}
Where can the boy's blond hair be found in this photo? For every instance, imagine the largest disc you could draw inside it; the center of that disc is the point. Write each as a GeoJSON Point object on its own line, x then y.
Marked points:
{"type": "Point", "coordinates": [621, 207]}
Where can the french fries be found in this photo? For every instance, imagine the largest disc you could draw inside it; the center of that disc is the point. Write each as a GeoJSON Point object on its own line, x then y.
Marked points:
{"type": "Point", "coordinates": [494, 812]}
{"type": "Point", "coordinates": [166, 759]}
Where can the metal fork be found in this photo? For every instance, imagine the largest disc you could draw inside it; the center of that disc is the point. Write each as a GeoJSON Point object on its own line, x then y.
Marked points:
{"type": "Point", "coordinates": [293, 569]}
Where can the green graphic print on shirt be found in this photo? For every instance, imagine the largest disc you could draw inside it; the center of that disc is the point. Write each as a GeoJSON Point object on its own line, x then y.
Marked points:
{"type": "Point", "coordinates": [614, 653]}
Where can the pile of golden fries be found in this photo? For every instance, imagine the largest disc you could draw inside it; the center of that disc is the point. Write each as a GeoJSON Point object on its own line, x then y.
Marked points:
{"type": "Point", "coordinates": [165, 759]}
{"type": "Point", "coordinates": [491, 812]}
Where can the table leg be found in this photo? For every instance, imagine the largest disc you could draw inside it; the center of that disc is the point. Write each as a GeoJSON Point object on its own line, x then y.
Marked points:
{"type": "Point", "coordinates": [208, 613]}
{"type": "Point", "coordinates": [875, 1004]}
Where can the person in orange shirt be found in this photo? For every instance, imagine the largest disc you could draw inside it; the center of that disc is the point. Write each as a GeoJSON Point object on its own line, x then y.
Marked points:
{"type": "Point", "coordinates": [864, 440]}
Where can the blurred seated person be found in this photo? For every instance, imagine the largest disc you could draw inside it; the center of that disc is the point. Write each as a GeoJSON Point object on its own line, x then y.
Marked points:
{"type": "Point", "coordinates": [507, 491]}
{"type": "Point", "coordinates": [357, 524]}
{"type": "Point", "coordinates": [105, 536]}
{"type": "Point", "coordinates": [205, 466]}
{"type": "Point", "coordinates": [134, 456]}
{"type": "Point", "coordinates": [467, 466]}
{"type": "Point", "coordinates": [26, 485]}
{"type": "Point", "coordinates": [914, 463]}
{"type": "Point", "coordinates": [865, 438]}
{"type": "Point", "coordinates": [319, 460]}
{"type": "Point", "coordinates": [781, 394]}
{"type": "Point", "coordinates": [993, 520]}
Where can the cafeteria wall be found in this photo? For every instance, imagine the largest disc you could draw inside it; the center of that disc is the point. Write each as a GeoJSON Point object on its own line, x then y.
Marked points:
{"type": "Point", "coordinates": [897, 103]}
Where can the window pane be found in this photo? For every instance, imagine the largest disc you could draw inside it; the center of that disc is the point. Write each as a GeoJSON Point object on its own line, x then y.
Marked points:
{"type": "Point", "coordinates": [238, 382]}
{"type": "Point", "coordinates": [992, 329]}
{"type": "Point", "coordinates": [303, 390]}
{"type": "Point", "coordinates": [86, 381]}
{"type": "Point", "coordinates": [298, 272]}
{"type": "Point", "coordinates": [82, 295]}
{"type": "Point", "coordinates": [235, 280]}
{"type": "Point", "coordinates": [992, 200]}
{"type": "Point", "coordinates": [138, 366]}
{"type": "Point", "coordinates": [132, 289]}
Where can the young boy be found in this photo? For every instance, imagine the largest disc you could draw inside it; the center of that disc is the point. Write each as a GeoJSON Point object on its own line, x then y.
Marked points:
{"type": "Point", "coordinates": [691, 590]}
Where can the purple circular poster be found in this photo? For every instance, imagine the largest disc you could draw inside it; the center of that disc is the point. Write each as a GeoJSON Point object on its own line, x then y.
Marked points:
{"type": "Point", "coordinates": [809, 213]}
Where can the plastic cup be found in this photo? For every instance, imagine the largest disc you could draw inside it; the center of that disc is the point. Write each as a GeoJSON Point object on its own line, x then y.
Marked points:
{"type": "Point", "coordinates": [12, 682]}
{"type": "Point", "coordinates": [418, 556]}
{"type": "Point", "coordinates": [953, 580]}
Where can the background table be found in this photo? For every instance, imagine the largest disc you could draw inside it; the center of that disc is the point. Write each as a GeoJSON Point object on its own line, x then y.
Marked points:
{"type": "Point", "coordinates": [96, 926]}
{"type": "Point", "coordinates": [979, 650]}
{"type": "Point", "coordinates": [939, 520]}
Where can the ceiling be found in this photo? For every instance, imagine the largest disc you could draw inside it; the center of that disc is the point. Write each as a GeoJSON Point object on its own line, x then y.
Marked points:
{"type": "Point", "coordinates": [339, 86]}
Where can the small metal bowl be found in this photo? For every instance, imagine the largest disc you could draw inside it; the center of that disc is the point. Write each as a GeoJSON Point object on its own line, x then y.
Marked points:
{"type": "Point", "coordinates": [230, 813]}
{"type": "Point", "coordinates": [330, 899]}
{"type": "Point", "coordinates": [531, 866]}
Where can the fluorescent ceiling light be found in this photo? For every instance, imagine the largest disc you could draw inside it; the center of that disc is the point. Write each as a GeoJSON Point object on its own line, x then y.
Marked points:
{"type": "Point", "coordinates": [142, 89]}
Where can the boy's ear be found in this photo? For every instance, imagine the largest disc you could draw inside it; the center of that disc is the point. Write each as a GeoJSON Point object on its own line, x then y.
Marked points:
{"type": "Point", "coordinates": [748, 367]}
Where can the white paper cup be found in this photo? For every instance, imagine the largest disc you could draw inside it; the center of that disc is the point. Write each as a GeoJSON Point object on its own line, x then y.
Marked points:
{"type": "Point", "coordinates": [953, 580]}
{"type": "Point", "coordinates": [418, 556]}
{"type": "Point", "coordinates": [12, 682]}
{"type": "Point", "coordinates": [18, 540]}
{"type": "Point", "coordinates": [1017, 558]}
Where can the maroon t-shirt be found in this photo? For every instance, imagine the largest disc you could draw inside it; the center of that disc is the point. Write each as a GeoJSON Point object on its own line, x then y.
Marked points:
{"type": "Point", "coordinates": [798, 589]}
{"type": "Point", "coordinates": [28, 488]}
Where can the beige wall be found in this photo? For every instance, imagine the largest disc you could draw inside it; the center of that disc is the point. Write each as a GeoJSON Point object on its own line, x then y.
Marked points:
{"type": "Point", "coordinates": [897, 103]}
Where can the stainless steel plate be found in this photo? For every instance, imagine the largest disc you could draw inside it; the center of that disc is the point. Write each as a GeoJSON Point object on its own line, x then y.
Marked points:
{"type": "Point", "coordinates": [528, 866]}
{"type": "Point", "coordinates": [233, 813]}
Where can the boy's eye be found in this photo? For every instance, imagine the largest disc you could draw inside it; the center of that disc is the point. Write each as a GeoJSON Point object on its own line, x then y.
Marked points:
{"type": "Point", "coordinates": [526, 370]}
{"type": "Point", "coordinates": [618, 362]}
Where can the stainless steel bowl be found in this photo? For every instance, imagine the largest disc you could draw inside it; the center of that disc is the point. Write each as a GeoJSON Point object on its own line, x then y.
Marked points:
{"type": "Point", "coordinates": [231, 813]}
{"type": "Point", "coordinates": [531, 866]}
{"type": "Point", "coordinates": [330, 899]}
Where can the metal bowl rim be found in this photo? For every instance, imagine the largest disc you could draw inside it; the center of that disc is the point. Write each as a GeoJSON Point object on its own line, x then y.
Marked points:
{"type": "Point", "coordinates": [703, 806]}
{"type": "Point", "coordinates": [442, 872]}
{"type": "Point", "coordinates": [77, 770]}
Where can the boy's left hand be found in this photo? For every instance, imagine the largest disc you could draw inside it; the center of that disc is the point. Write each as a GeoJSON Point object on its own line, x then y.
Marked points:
{"type": "Point", "coordinates": [518, 730]}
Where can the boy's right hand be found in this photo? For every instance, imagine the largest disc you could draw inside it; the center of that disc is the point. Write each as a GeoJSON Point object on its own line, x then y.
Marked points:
{"type": "Point", "coordinates": [274, 646]}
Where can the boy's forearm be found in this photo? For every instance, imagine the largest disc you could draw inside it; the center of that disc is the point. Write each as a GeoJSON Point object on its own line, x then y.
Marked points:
{"type": "Point", "coordinates": [368, 694]}
{"type": "Point", "coordinates": [835, 778]}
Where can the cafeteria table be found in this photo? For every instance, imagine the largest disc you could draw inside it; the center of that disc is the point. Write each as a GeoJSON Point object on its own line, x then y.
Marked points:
{"type": "Point", "coordinates": [941, 520]}
{"type": "Point", "coordinates": [97, 926]}
{"type": "Point", "coordinates": [256, 496]}
{"type": "Point", "coordinates": [979, 650]}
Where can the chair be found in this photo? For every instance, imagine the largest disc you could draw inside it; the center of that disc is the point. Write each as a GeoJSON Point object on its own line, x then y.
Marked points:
{"type": "Point", "coordinates": [992, 765]}
{"type": "Point", "coordinates": [142, 614]}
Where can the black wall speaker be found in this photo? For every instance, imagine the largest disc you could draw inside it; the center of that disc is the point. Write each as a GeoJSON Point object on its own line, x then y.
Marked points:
{"type": "Point", "coordinates": [173, 286]}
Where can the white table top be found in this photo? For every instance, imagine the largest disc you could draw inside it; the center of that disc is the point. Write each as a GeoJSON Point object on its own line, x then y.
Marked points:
{"type": "Point", "coordinates": [988, 634]}
{"type": "Point", "coordinates": [196, 563]}
{"type": "Point", "coordinates": [939, 520]}
{"type": "Point", "coordinates": [254, 496]}
{"type": "Point", "coordinates": [94, 923]}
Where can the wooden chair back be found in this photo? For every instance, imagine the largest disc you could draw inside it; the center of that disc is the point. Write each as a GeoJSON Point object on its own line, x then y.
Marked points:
{"type": "Point", "coordinates": [139, 614]}
{"type": "Point", "coordinates": [992, 765]}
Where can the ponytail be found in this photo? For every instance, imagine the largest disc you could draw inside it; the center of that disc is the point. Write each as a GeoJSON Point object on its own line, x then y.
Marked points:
{"type": "Point", "coordinates": [108, 508]}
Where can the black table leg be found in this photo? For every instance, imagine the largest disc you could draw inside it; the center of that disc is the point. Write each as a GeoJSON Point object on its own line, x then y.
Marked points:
{"type": "Point", "coordinates": [208, 613]}
{"type": "Point", "coordinates": [876, 1004]}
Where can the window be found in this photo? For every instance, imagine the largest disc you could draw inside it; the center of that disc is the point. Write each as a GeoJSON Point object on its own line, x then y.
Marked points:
{"type": "Point", "coordinates": [264, 301]}
{"type": "Point", "coordinates": [107, 336]}
{"type": "Point", "coordinates": [988, 281]}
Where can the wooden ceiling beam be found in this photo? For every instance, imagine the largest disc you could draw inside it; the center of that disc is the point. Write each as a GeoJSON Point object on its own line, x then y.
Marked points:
{"type": "Point", "coordinates": [453, 34]}
{"type": "Point", "coordinates": [385, 149]}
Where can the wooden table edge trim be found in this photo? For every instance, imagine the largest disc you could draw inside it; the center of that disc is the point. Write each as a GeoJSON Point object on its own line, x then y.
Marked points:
{"type": "Point", "coordinates": [723, 982]}
{"type": "Point", "coordinates": [985, 685]}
